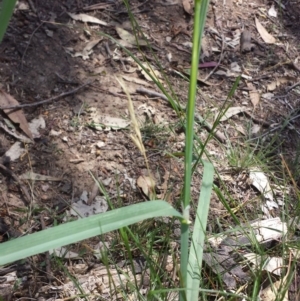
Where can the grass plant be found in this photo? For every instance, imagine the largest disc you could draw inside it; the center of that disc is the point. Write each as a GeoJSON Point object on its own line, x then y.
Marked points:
{"type": "Point", "coordinates": [119, 218]}
{"type": "Point", "coordinates": [139, 228]}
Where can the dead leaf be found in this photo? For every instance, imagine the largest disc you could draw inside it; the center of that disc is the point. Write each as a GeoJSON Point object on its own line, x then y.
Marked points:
{"type": "Point", "coordinates": [136, 80]}
{"type": "Point", "coordinates": [240, 129]}
{"type": "Point", "coordinates": [273, 265]}
{"type": "Point", "coordinates": [147, 185]}
{"type": "Point", "coordinates": [29, 175]}
{"type": "Point", "coordinates": [15, 152]}
{"type": "Point", "coordinates": [272, 11]}
{"type": "Point", "coordinates": [109, 122]}
{"type": "Point", "coordinates": [129, 38]}
{"type": "Point", "coordinates": [254, 95]}
{"type": "Point", "coordinates": [260, 181]}
{"type": "Point", "coordinates": [35, 124]}
{"type": "Point", "coordinates": [278, 81]}
{"type": "Point", "coordinates": [82, 210]}
{"type": "Point", "coordinates": [155, 73]}
{"type": "Point", "coordinates": [271, 292]}
{"type": "Point", "coordinates": [64, 253]}
{"type": "Point", "coordinates": [87, 19]}
{"type": "Point", "coordinates": [87, 50]}
{"type": "Point", "coordinates": [16, 116]}
{"type": "Point", "coordinates": [187, 6]}
{"type": "Point", "coordinates": [233, 111]}
{"type": "Point", "coordinates": [268, 38]}
{"type": "Point", "coordinates": [255, 129]}
{"type": "Point", "coordinates": [13, 133]}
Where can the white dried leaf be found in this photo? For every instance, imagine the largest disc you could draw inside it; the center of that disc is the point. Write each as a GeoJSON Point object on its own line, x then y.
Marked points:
{"type": "Point", "coordinates": [130, 38]}
{"type": "Point", "coordinates": [232, 111]}
{"type": "Point", "coordinates": [87, 19]}
{"type": "Point", "coordinates": [268, 38]}
{"type": "Point", "coordinates": [30, 175]}
{"type": "Point", "coordinates": [63, 253]}
{"type": "Point", "coordinates": [81, 209]}
{"type": "Point", "coordinates": [35, 124]}
{"type": "Point", "coordinates": [15, 151]}
{"type": "Point", "coordinates": [109, 122]}
{"type": "Point", "coordinates": [235, 67]}
{"type": "Point", "coordinates": [272, 12]}
{"type": "Point", "coordinates": [261, 183]}
{"type": "Point", "coordinates": [54, 133]}
{"type": "Point", "coordinates": [147, 185]}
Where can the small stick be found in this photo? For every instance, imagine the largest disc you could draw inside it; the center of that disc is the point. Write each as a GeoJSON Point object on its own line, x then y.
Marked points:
{"type": "Point", "coordinates": [49, 99]}
{"type": "Point", "coordinates": [23, 188]}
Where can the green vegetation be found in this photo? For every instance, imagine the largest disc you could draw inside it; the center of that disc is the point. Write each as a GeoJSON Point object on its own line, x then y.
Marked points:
{"type": "Point", "coordinates": [153, 236]}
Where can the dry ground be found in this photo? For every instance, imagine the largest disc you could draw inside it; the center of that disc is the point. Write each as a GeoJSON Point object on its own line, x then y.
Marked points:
{"type": "Point", "coordinates": [43, 55]}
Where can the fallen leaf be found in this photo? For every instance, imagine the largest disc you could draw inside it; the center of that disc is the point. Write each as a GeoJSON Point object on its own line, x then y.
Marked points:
{"type": "Point", "coordinates": [81, 209]}
{"type": "Point", "coordinates": [35, 124]}
{"type": "Point", "coordinates": [136, 80]}
{"type": "Point", "coordinates": [272, 12]}
{"type": "Point", "coordinates": [13, 133]}
{"type": "Point", "coordinates": [240, 129]}
{"type": "Point", "coordinates": [15, 115]}
{"type": "Point", "coordinates": [87, 19]}
{"type": "Point", "coordinates": [279, 81]}
{"type": "Point", "coordinates": [268, 38]}
{"type": "Point", "coordinates": [155, 73]}
{"type": "Point", "coordinates": [232, 111]}
{"type": "Point", "coordinates": [271, 264]}
{"type": "Point", "coordinates": [261, 183]}
{"type": "Point", "coordinates": [272, 291]}
{"type": "Point", "coordinates": [254, 95]}
{"type": "Point", "coordinates": [29, 175]}
{"type": "Point", "coordinates": [87, 50]}
{"type": "Point", "coordinates": [268, 96]}
{"type": "Point", "coordinates": [255, 129]}
{"type": "Point", "coordinates": [187, 6]}
{"type": "Point", "coordinates": [235, 67]}
{"type": "Point", "coordinates": [147, 185]}
{"type": "Point", "coordinates": [129, 38]}
{"type": "Point", "coordinates": [54, 133]}
{"type": "Point", "coordinates": [15, 152]}
{"type": "Point", "coordinates": [114, 123]}
{"type": "Point", "coordinates": [63, 253]}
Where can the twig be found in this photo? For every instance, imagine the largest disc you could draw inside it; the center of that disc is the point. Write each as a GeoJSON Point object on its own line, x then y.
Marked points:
{"type": "Point", "coordinates": [23, 188]}
{"type": "Point", "coordinates": [29, 42]}
{"type": "Point", "coordinates": [49, 99]}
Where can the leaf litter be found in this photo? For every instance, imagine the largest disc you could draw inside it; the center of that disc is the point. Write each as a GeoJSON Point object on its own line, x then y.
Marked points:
{"type": "Point", "coordinates": [117, 156]}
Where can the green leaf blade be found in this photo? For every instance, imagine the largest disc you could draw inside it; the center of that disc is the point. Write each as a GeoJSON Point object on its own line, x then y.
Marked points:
{"type": "Point", "coordinates": [82, 229]}
{"type": "Point", "coordinates": [6, 11]}
{"type": "Point", "coordinates": [197, 245]}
